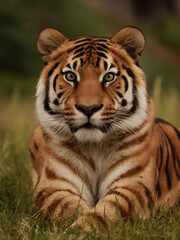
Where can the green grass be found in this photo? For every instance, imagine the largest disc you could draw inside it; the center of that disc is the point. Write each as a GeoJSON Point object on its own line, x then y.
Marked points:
{"type": "Point", "coordinates": [19, 218]}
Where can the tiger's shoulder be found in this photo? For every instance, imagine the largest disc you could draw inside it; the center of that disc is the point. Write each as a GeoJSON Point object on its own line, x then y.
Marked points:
{"type": "Point", "coordinates": [37, 137]}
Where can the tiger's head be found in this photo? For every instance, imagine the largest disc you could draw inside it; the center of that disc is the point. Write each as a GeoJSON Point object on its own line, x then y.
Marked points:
{"type": "Point", "coordinates": [91, 87]}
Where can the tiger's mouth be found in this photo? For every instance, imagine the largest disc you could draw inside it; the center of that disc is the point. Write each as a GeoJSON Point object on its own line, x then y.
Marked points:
{"type": "Point", "coordinates": [89, 126]}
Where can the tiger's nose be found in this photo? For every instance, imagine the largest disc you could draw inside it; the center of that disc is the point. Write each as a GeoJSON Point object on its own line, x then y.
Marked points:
{"type": "Point", "coordinates": [88, 110]}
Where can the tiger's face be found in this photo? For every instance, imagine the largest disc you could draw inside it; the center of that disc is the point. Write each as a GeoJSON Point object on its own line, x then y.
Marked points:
{"type": "Point", "coordinates": [91, 88]}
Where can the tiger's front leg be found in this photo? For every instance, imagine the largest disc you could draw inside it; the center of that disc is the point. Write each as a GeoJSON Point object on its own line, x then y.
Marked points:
{"type": "Point", "coordinates": [55, 194]}
{"type": "Point", "coordinates": [58, 203]}
{"type": "Point", "coordinates": [120, 202]}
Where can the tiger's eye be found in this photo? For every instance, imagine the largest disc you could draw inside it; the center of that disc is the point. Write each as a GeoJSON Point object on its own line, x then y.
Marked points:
{"type": "Point", "coordinates": [70, 76]}
{"type": "Point", "coordinates": [109, 77]}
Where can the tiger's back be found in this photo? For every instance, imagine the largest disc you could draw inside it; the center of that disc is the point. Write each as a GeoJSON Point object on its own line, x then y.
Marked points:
{"type": "Point", "coordinates": [98, 145]}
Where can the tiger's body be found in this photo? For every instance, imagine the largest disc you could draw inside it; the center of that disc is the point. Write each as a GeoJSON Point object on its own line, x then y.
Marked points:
{"type": "Point", "coordinates": [98, 147]}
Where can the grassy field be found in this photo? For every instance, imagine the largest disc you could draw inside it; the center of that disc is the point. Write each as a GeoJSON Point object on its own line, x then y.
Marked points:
{"type": "Point", "coordinates": [19, 219]}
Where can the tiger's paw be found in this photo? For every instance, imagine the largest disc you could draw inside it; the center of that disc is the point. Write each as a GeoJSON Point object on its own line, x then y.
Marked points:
{"type": "Point", "coordinates": [90, 221]}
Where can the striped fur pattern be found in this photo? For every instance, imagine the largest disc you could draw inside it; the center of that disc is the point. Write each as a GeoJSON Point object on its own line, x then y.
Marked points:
{"type": "Point", "coordinates": [98, 148]}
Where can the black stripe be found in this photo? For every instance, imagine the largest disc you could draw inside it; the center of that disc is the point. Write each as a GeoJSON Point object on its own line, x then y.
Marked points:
{"type": "Point", "coordinates": [129, 72]}
{"type": "Point", "coordinates": [32, 155]}
{"type": "Point", "coordinates": [158, 189]}
{"type": "Point", "coordinates": [159, 120]}
{"type": "Point", "coordinates": [90, 47]}
{"type": "Point", "coordinates": [138, 195]}
{"type": "Point", "coordinates": [126, 198]}
{"type": "Point", "coordinates": [112, 65]}
{"type": "Point", "coordinates": [175, 156]}
{"type": "Point", "coordinates": [101, 49]}
{"type": "Point", "coordinates": [105, 65]}
{"type": "Point", "coordinates": [60, 94]}
{"type": "Point", "coordinates": [82, 40]}
{"type": "Point", "coordinates": [79, 50]}
{"type": "Point", "coordinates": [177, 159]}
{"type": "Point", "coordinates": [75, 65]}
{"type": "Point", "coordinates": [169, 184]}
{"type": "Point", "coordinates": [102, 45]}
{"type": "Point", "coordinates": [125, 83]}
{"type": "Point", "coordinates": [54, 82]}
{"type": "Point", "coordinates": [101, 54]}
{"type": "Point", "coordinates": [78, 46]}
{"type": "Point", "coordinates": [82, 62]}
{"type": "Point", "coordinates": [36, 146]}
{"type": "Point", "coordinates": [68, 65]}
{"type": "Point", "coordinates": [52, 69]}
{"type": "Point", "coordinates": [119, 94]}
{"type": "Point", "coordinates": [118, 73]}
{"type": "Point", "coordinates": [98, 60]}
{"type": "Point", "coordinates": [105, 127]}
{"type": "Point", "coordinates": [135, 101]}
{"type": "Point", "coordinates": [160, 166]}
{"type": "Point", "coordinates": [160, 156]}
{"type": "Point", "coordinates": [148, 195]}
{"type": "Point", "coordinates": [62, 73]}
{"type": "Point", "coordinates": [79, 55]}
{"type": "Point", "coordinates": [46, 100]}
{"type": "Point", "coordinates": [123, 66]}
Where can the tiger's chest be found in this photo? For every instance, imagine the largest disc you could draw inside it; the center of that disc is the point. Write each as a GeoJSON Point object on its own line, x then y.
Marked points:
{"type": "Point", "coordinates": [88, 168]}
{"type": "Point", "coordinates": [102, 161]}
{"type": "Point", "coordinates": [85, 167]}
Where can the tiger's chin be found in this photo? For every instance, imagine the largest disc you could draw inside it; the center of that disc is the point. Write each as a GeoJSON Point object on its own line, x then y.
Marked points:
{"type": "Point", "coordinates": [89, 135]}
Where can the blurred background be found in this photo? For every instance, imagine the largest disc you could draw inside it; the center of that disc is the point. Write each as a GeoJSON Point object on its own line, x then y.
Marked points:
{"type": "Point", "coordinates": [20, 63]}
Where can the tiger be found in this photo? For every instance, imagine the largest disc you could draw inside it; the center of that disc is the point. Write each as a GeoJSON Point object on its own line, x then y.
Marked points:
{"type": "Point", "coordinates": [98, 151]}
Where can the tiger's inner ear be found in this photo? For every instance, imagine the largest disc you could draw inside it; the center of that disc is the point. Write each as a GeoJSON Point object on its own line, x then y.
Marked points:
{"type": "Point", "coordinates": [49, 40]}
{"type": "Point", "coordinates": [132, 40]}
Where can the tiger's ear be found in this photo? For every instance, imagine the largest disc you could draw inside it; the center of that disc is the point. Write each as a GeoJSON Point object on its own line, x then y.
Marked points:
{"type": "Point", "coordinates": [132, 40]}
{"type": "Point", "coordinates": [49, 40]}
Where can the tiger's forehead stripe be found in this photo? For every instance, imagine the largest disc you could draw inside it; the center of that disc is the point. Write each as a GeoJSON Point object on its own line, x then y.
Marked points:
{"type": "Point", "coordinates": [79, 55]}
{"type": "Point", "coordinates": [77, 46]}
{"type": "Point", "coordinates": [81, 40]}
{"type": "Point", "coordinates": [89, 46]}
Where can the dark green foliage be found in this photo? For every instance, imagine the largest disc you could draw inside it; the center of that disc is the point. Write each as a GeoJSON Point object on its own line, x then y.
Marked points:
{"type": "Point", "coordinates": [167, 31]}
{"type": "Point", "coordinates": [22, 20]}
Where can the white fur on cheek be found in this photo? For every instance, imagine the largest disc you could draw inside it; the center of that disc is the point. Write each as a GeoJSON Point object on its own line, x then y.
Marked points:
{"type": "Point", "coordinates": [138, 117]}
{"type": "Point", "coordinates": [51, 123]}
{"type": "Point", "coordinates": [141, 112]}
